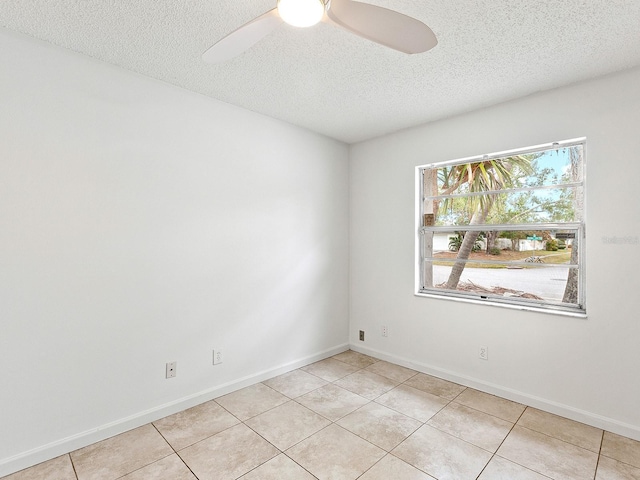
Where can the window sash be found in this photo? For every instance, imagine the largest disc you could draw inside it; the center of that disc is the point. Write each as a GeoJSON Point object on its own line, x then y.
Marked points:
{"type": "Point", "coordinates": [427, 262]}
{"type": "Point", "coordinates": [549, 306]}
{"type": "Point", "coordinates": [507, 153]}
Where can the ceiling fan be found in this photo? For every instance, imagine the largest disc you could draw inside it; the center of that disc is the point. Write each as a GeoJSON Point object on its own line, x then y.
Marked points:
{"type": "Point", "coordinates": [386, 27]}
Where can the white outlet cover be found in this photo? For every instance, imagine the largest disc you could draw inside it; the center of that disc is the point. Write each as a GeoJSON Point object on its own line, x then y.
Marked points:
{"type": "Point", "coordinates": [484, 353]}
{"type": "Point", "coordinates": [217, 357]}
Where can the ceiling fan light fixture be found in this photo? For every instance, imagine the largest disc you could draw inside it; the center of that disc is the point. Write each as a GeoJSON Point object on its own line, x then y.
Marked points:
{"type": "Point", "coordinates": [301, 13]}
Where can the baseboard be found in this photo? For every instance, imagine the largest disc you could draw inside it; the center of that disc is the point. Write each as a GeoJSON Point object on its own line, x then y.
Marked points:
{"type": "Point", "coordinates": [82, 439]}
{"type": "Point", "coordinates": [567, 411]}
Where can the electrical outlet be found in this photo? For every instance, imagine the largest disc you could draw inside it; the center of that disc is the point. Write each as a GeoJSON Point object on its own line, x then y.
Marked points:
{"type": "Point", "coordinates": [217, 356]}
{"type": "Point", "coordinates": [362, 335]}
{"type": "Point", "coordinates": [385, 331]}
{"type": "Point", "coordinates": [484, 353]}
{"type": "Point", "coordinates": [171, 369]}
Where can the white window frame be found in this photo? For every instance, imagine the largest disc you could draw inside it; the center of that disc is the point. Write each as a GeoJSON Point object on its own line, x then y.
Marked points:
{"type": "Point", "coordinates": [578, 310]}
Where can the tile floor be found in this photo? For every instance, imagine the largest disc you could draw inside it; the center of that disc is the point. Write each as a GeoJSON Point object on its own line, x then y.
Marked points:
{"type": "Point", "coordinates": [353, 417]}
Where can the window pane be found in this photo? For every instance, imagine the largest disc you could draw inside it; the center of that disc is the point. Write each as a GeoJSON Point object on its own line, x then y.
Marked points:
{"type": "Point", "coordinates": [530, 206]}
{"type": "Point", "coordinates": [533, 282]}
{"type": "Point", "coordinates": [545, 168]}
{"type": "Point", "coordinates": [516, 264]}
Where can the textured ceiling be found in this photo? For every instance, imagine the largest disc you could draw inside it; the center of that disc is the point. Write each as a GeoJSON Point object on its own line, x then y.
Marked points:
{"type": "Point", "coordinates": [335, 83]}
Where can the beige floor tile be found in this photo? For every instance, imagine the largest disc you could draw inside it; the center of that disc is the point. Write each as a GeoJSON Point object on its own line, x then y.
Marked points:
{"type": "Point", "coordinates": [562, 428]}
{"type": "Point", "coordinates": [413, 402]}
{"type": "Point", "coordinates": [332, 402]}
{"type": "Point", "coordinates": [295, 383]}
{"type": "Point", "coordinates": [59, 468]}
{"type": "Point", "coordinates": [251, 401]}
{"type": "Point", "coordinates": [356, 359]}
{"type": "Point", "coordinates": [392, 371]}
{"type": "Point", "coordinates": [335, 454]}
{"type": "Point", "coordinates": [621, 448]}
{"type": "Point", "coordinates": [171, 467]}
{"type": "Point", "coordinates": [496, 406]}
{"type": "Point", "coordinates": [229, 454]}
{"type": "Point", "coordinates": [435, 386]}
{"type": "Point", "coordinates": [610, 469]}
{"type": "Point", "coordinates": [287, 424]}
{"type": "Point", "coordinates": [547, 455]}
{"type": "Point", "coordinates": [502, 469]}
{"type": "Point", "coordinates": [278, 468]}
{"type": "Point", "coordinates": [480, 429]}
{"type": "Point", "coordinates": [330, 369]}
{"type": "Point", "coordinates": [392, 468]}
{"type": "Point", "coordinates": [120, 455]}
{"type": "Point", "coordinates": [380, 425]}
{"type": "Point", "coordinates": [442, 455]}
{"type": "Point", "coordinates": [194, 424]}
{"type": "Point", "coordinates": [367, 384]}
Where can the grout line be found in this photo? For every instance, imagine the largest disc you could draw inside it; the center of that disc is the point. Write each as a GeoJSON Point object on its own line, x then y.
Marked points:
{"type": "Point", "coordinates": [302, 467]}
{"type": "Point", "coordinates": [383, 457]}
{"type": "Point", "coordinates": [486, 413]}
{"type": "Point", "coordinates": [163, 437]}
{"type": "Point", "coordinates": [595, 473]}
{"type": "Point", "coordinates": [502, 442]}
{"type": "Point", "coordinates": [486, 465]}
{"type": "Point", "coordinates": [188, 467]}
{"type": "Point", "coordinates": [73, 465]}
{"type": "Point", "coordinates": [552, 437]}
{"type": "Point", "coordinates": [556, 438]}
{"type": "Point", "coordinates": [150, 463]}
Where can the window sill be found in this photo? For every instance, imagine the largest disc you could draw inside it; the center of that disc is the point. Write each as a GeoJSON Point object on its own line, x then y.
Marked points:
{"type": "Point", "coordinates": [511, 306]}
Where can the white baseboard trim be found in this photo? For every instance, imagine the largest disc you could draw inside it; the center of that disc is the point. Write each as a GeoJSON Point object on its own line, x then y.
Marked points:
{"type": "Point", "coordinates": [567, 411]}
{"type": "Point", "coordinates": [69, 444]}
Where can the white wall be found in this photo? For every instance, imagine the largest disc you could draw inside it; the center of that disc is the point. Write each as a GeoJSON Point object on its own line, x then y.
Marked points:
{"type": "Point", "coordinates": [584, 369]}
{"type": "Point", "coordinates": [141, 224]}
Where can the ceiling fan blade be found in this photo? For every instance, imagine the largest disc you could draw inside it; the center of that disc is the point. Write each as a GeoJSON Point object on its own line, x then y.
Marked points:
{"type": "Point", "coordinates": [381, 25]}
{"type": "Point", "coordinates": [243, 38]}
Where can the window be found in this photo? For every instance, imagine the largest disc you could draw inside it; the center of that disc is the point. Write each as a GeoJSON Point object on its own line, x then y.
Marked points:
{"type": "Point", "coordinates": [506, 228]}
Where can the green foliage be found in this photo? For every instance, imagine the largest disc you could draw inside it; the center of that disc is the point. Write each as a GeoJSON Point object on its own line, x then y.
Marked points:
{"type": "Point", "coordinates": [561, 244]}
{"type": "Point", "coordinates": [488, 176]}
{"type": "Point", "coordinates": [551, 245]}
{"type": "Point", "coordinates": [517, 207]}
{"type": "Point", "coordinates": [456, 242]}
{"type": "Point", "coordinates": [494, 251]}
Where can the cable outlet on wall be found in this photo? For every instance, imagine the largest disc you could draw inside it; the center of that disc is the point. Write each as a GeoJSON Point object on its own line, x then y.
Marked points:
{"type": "Point", "coordinates": [484, 353]}
{"type": "Point", "coordinates": [217, 356]}
{"type": "Point", "coordinates": [171, 369]}
{"type": "Point", "coordinates": [362, 335]}
{"type": "Point", "coordinates": [385, 331]}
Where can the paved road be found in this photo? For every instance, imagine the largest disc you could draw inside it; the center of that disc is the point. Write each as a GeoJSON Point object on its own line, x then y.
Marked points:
{"type": "Point", "coordinates": [546, 282]}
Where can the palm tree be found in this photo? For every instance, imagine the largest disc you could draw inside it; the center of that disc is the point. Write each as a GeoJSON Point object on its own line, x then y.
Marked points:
{"type": "Point", "coordinates": [490, 176]}
{"type": "Point", "coordinates": [571, 289]}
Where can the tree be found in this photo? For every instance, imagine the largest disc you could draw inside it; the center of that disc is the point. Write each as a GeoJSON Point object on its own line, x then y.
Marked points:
{"type": "Point", "coordinates": [571, 289]}
{"type": "Point", "coordinates": [488, 176]}
{"type": "Point", "coordinates": [532, 206]}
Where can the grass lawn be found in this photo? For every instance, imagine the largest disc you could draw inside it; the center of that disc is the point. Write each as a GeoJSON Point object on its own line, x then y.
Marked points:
{"type": "Point", "coordinates": [506, 256]}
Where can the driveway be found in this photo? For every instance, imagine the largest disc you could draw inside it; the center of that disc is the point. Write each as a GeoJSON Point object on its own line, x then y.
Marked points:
{"type": "Point", "coordinates": [546, 282]}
